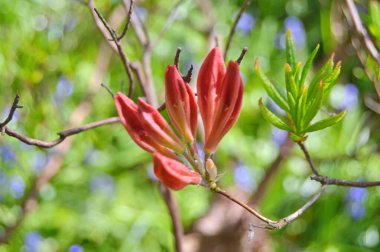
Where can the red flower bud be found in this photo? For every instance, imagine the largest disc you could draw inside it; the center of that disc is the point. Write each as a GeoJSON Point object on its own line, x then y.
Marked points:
{"type": "Point", "coordinates": [156, 126]}
{"type": "Point", "coordinates": [133, 122]}
{"type": "Point", "coordinates": [220, 94]}
{"type": "Point", "coordinates": [180, 104]}
{"type": "Point", "coordinates": [172, 173]}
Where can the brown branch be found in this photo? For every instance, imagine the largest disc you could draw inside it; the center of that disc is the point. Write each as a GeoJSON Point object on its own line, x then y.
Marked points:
{"type": "Point", "coordinates": [119, 48]}
{"type": "Point", "coordinates": [174, 214]}
{"type": "Point", "coordinates": [308, 158]}
{"type": "Point", "coordinates": [233, 28]}
{"type": "Point", "coordinates": [129, 15]}
{"type": "Point", "coordinates": [271, 224]}
{"type": "Point", "coordinates": [243, 52]}
{"type": "Point", "coordinates": [62, 135]}
{"type": "Point", "coordinates": [339, 182]}
{"type": "Point", "coordinates": [11, 113]}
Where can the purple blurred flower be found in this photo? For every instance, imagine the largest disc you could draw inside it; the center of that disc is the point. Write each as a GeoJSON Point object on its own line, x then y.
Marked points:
{"type": "Point", "coordinates": [246, 23]}
{"type": "Point", "coordinates": [298, 32]}
{"type": "Point", "coordinates": [32, 241]}
{"type": "Point", "coordinates": [243, 177]}
{"type": "Point", "coordinates": [38, 160]}
{"type": "Point", "coordinates": [141, 13]}
{"type": "Point", "coordinates": [200, 151]}
{"type": "Point", "coordinates": [17, 186]}
{"type": "Point", "coordinates": [103, 183]}
{"type": "Point", "coordinates": [75, 248]}
{"type": "Point", "coordinates": [279, 136]}
{"type": "Point", "coordinates": [355, 202]}
{"type": "Point", "coordinates": [7, 154]}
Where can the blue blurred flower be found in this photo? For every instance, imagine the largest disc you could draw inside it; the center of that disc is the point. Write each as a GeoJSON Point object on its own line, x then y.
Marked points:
{"type": "Point", "coordinates": [298, 32]}
{"type": "Point", "coordinates": [64, 89]}
{"type": "Point", "coordinates": [355, 202]}
{"type": "Point", "coordinates": [7, 154]}
{"type": "Point", "coordinates": [243, 177]}
{"type": "Point", "coordinates": [17, 186]}
{"type": "Point", "coordinates": [279, 136]}
{"type": "Point", "coordinates": [246, 23]}
{"type": "Point", "coordinates": [200, 151]}
{"type": "Point", "coordinates": [32, 241]}
{"type": "Point", "coordinates": [141, 13]}
{"type": "Point", "coordinates": [75, 248]}
{"type": "Point", "coordinates": [38, 160]}
{"type": "Point", "coordinates": [344, 96]}
{"type": "Point", "coordinates": [104, 184]}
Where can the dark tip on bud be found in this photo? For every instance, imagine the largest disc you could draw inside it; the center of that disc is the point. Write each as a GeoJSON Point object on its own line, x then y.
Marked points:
{"type": "Point", "coordinates": [245, 49]}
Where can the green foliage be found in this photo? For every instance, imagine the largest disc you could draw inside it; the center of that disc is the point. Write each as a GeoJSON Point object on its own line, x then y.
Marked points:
{"type": "Point", "coordinates": [302, 101]}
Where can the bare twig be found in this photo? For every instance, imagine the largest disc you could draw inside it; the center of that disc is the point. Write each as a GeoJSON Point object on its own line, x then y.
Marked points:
{"type": "Point", "coordinates": [332, 181]}
{"type": "Point", "coordinates": [174, 214]}
{"type": "Point", "coordinates": [271, 224]}
{"type": "Point", "coordinates": [245, 49]}
{"type": "Point", "coordinates": [187, 77]}
{"type": "Point", "coordinates": [62, 135]}
{"type": "Point", "coordinates": [11, 113]}
{"type": "Point", "coordinates": [177, 55]}
{"type": "Point", "coordinates": [108, 89]}
{"type": "Point", "coordinates": [233, 28]}
{"type": "Point", "coordinates": [120, 50]}
{"type": "Point", "coordinates": [308, 158]}
{"type": "Point", "coordinates": [129, 15]}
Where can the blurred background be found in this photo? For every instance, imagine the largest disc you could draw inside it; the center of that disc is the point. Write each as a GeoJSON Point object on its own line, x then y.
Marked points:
{"type": "Point", "coordinates": [102, 195]}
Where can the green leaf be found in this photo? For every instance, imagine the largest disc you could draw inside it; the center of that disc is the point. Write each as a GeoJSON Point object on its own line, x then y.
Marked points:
{"type": "Point", "coordinates": [326, 122]}
{"type": "Point", "coordinates": [297, 73]}
{"type": "Point", "coordinates": [272, 118]}
{"type": "Point", "coordinates": [271, 89]}
{"type": "Point", "coordinates": [322, 74]}
{"type": "Point", "coordinates": [314, 104]}
{"type": "Point", "coordinates": [290, 52]}
{"type": "Point", "coordinates": [290, 82]}
{"type": "Point", "coordinates": [330, 80]}
{"type": "Point", "coordinates": [301, 107]}
{"type": "Point", "coordinates": [308, 64]}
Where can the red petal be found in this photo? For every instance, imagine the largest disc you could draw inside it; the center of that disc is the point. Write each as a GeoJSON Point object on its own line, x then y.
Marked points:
{"type": "Point", "coordinates": [180, 104]}
{"type": "Point", "coordinates": [156, 126]}
{"type": "Point", "coordinates": [172, 173]}
{"type": "Point", "coordinates": [210, 77]}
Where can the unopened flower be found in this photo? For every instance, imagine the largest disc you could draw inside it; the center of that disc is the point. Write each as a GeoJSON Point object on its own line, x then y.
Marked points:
{"type": "Point", "coordinates": [174, 174]}
{"type": "Point", "coordinates": [220, 93]}
{"type": "Point", "coordinates": [180, 104]}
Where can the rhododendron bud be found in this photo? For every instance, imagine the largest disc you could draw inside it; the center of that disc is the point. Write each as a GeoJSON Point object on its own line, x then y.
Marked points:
{"type": "Point", "coordinates": [180, 104]}
{"type": "Point", "coordinates": [172, 173]}
{"type": "Point", "coordinates": [156, 126]}
{"type": "Point", "coordinates": [220, 94]}
{"type": "Point", "coordinates": [133, 122]}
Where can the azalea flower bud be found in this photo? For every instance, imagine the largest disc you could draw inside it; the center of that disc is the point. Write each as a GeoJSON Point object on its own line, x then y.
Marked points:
{"type": "Point", "coordinates": [174, 174]}
{"type": "Point", "coordinates": [133, 122]}
{"type": "Point", "coordinates": [180, 104]}
{"type": "Point", "coordinates": [156, 126]}
{"type": "Point", "coordinates": [220, 94]}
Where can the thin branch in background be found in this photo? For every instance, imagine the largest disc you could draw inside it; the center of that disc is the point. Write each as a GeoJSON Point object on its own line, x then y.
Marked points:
{"type": "Point", "coordinates": [162, 107]}
{"type": "Point", "coordinates": [128, 21]}
{"type": "Point", "coordinates": [243, 52]}
{"type": "Point", "coordinates": [362, 32]}
{"type": "Point", "coordinates": [353, 19]}
{"type": "Point", "coordinates": [120, 50]}
{"type": "Point", "coordinates": [62, 135]}
{"type": "Point", "coordinates": [11, 113]}
{"type": "Point", "coordinates": [308, 158]}
{"type": "Point", "coordinates": [177, 55]}
{"type": "Point", "coordinates": [187, 77]}
{"type": "Point", "coordinates": [174, 214]}
{"type": "Point", "coordinates": [233, 28]}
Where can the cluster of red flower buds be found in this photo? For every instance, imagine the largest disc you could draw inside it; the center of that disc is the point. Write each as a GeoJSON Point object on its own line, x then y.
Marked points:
{"type": "Point", "coordinates": [175, 155]}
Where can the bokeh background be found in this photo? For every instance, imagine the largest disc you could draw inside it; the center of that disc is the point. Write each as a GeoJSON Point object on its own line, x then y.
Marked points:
{"type": "Point", "coordinates": [104, 196]}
